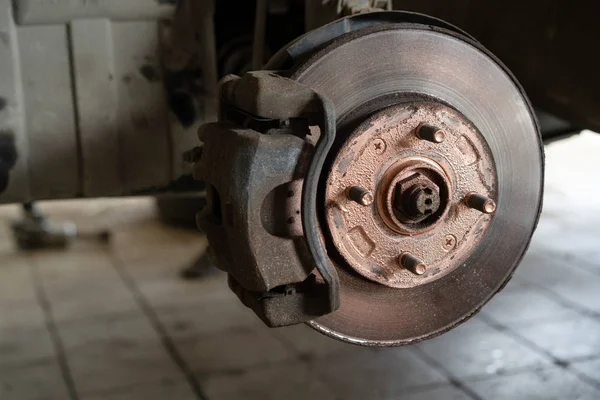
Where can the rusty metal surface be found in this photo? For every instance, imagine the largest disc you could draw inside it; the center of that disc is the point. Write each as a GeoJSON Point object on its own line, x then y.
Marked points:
{"type": "Point", "coordinates": [407, 190]}
{"type": "Point", "coordinates": [383, 155]}
{"type": "Point", "coordinates": [267, 95]}
{"type": "Point", "coordinates": [438, 64]}
{"type": "Point", "coordinates": [322, 31]}
{"type": "Point", "coordinates": [261, 164]}
{"type": "Point", "coordinates": [233, 217]}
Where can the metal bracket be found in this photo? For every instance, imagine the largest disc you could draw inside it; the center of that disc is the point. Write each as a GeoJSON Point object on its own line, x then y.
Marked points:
{"type": "Point", "coordinates": [257, 144]}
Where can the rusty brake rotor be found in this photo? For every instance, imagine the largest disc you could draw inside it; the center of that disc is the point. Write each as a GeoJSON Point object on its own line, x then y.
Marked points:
{"type": "Point", "coordinates": [441, 141]}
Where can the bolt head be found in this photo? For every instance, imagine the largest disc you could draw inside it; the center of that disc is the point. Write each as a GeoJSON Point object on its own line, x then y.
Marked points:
{"type": "Point", "coordinates": [402, 188]}
{"type": "Point", "coordinates": [416, 197]}
{"type": "Point", "coordinates": [379, 146]}
{"type": "Point", "coordinates": [449, 242]}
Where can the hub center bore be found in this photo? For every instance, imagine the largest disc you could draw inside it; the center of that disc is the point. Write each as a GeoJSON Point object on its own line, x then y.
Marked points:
{"type": "Point", "coordinates": [407, 192]}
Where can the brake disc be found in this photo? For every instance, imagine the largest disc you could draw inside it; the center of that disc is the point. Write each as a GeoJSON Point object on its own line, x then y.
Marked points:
{"type": "Point", "coordinates": [432, 188]}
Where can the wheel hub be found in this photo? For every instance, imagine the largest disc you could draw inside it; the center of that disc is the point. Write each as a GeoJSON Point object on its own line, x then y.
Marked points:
{"type": "Point", "coordinates": [420, 188]}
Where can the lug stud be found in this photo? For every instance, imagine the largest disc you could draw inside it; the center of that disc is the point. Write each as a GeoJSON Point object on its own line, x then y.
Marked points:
{"type": "Point", "coordinates": [412, 263]}
{"type": "Point", "coordinates": [480, 202]}
{"type": "Point", "coordinates": [360, 195]}
{"type": "Point", "coordinates": [431, 133]}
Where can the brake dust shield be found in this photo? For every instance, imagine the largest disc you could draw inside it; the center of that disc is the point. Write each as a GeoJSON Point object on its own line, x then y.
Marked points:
{"type": "Point", "coordinates": [431, 193]}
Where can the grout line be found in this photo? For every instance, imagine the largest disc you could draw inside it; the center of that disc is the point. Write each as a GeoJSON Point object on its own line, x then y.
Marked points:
{"type": "Point", "coordinates": [557, 297]}
{"type": "Point", "coordinates": [433, 386]}
{"type": "Point", "coordinates": [564, 364]}
{"type": "Point", "coordinates": [453, 380]}
{"type": "Point", "coordinates": [160, 329]}
{"type": "Point", "coordinates": [584, 377]}
{"type": "Point", "coordinates": [307, 361]}
{"type": "Point", "coordinates": [483, 377]}
{"type": "Point", "coordinates": [570, 257]}
{"type": "Point", "coordinates": [579, 265]}
{"type": "Point", "coordinates": [553, 255]}
{"type": "Point", "coordinates": [44, 302]}
{"type": "Point", "coordinates": [578, 359]}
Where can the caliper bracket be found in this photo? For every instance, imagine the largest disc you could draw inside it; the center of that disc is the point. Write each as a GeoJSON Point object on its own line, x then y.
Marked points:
{"type": "Point", "coordinates": [248, 174]}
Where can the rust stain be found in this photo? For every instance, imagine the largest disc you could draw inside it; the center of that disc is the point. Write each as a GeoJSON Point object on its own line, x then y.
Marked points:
{"type": "Point", "coordinates": [379, 233]}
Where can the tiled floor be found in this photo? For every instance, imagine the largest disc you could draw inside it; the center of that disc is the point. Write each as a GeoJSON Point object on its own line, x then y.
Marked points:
{"type": "Point", "coordinates": [116, 323]}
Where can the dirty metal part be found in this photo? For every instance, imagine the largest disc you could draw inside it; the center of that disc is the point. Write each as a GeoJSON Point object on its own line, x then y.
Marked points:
{"type": "Point", "coordinates": [35, 231]}
{"type": "Point", "coordinates": [275, 97]}
{"type": "Point", "coordinates": [492, 104]}
{"type": "Point", "coordinates": [431, 133]}
{"type": "Point", "coordinates": [286, 305]}
{"type": "Point", "coordinates": [420, 187]}
{"type": "Point", "coordinates": [418, 201]}
{"type": "Point", "coordinates": [227, 167]}
{"type": "Point", "coordinates": [418, 260]}
{"type": "Point", "coordinates": [480, 202]}
{"type": "Point", "coordinates": [270, 96]}
{"type": "Point", "coordinates": [267, 238]}
{"type": "Point", "coordinates": [412, 263]}
{"type": "Point", "coordinates": [360, 195]}
{"type": "Point", "coordinates": [321, 31]}
{"type": "Point", "coordinates": [404, 185]}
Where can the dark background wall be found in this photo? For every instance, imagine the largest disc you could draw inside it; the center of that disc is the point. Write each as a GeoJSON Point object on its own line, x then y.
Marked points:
{"type": "Point", "coordinates": [550, 45]}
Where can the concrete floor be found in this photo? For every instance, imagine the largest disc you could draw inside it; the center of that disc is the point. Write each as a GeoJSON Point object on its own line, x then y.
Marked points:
{"type": "Point", "coordinates": [115, 322]}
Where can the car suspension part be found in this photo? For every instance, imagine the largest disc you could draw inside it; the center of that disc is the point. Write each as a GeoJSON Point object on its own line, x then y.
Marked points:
{"type": "Point", "coordinates": [380, 181]}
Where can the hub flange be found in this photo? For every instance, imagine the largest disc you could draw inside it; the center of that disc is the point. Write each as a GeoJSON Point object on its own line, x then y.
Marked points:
{"type": "Point", "coordinates": [420, 187]}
